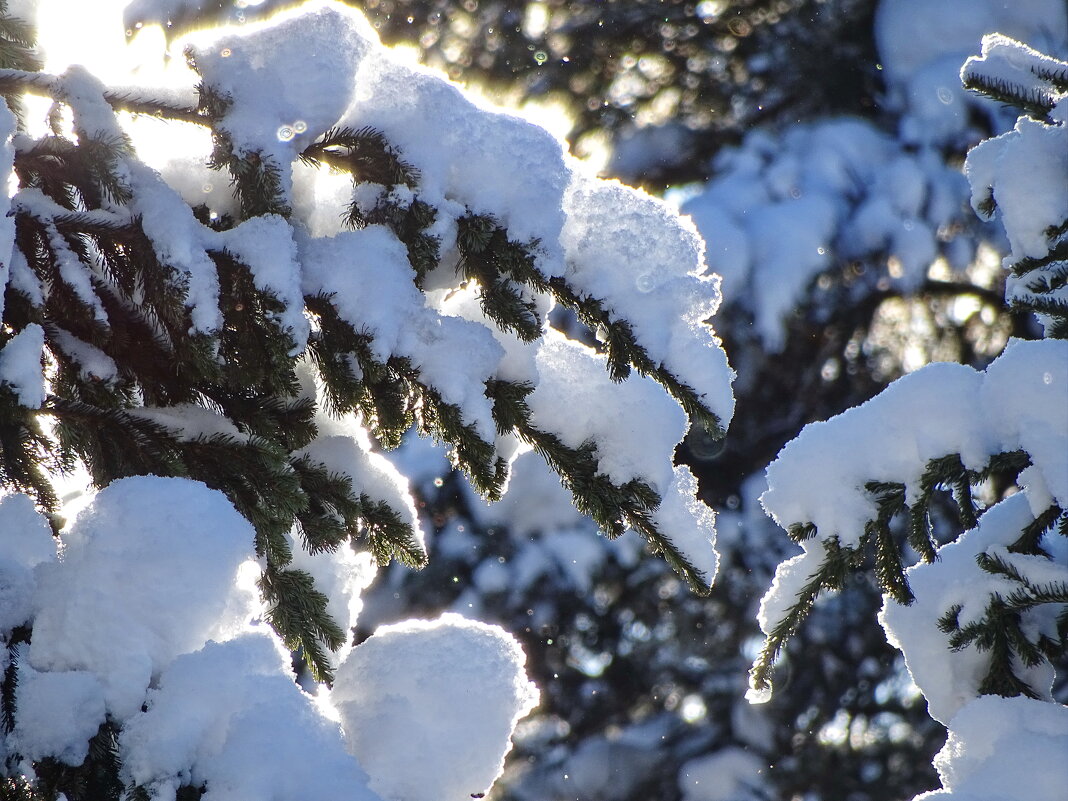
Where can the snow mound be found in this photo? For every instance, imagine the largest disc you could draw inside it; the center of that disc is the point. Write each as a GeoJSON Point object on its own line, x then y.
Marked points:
{"type": "Point", "coordinates": [148, 571]}
{"type": "Point", "coordinates": [428, 706]}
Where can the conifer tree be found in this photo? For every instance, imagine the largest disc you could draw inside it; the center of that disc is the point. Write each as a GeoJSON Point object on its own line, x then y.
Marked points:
{"type": "Point", "coordinates": [266, 346]}
{"type": "Point", "coordinates": [984, 611]}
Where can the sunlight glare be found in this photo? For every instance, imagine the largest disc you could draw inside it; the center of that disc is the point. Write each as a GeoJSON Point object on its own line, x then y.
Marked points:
{"type": "Point", "coordinates": [90, 34]}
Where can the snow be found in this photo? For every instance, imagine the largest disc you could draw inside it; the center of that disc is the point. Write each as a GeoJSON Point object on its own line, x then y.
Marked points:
{"type": "Point", "coordinates": [20, 366]}
{"type": "Point", "coordinates": [725, 775]}
{"type": "Point", "coordinates": [1006, 60]}
{"type": "Point", "coordinates": [179, 243]}
{"type": "Point", "coordinates": [22, 279]}
{"type": "Point", "coordinates": [265, 245]}
{"type": "Point", "coordinates": [1024, 392]}
{"type": "Point", "coordinates": [93, 116]}
{"type": "Point", "coordinates": [1022, 170]}
{"type": "Point", "coordinates": [1019, 403]}
{"type": "Point", "coordinates": [203, 696]}
{"type": "Point", "coordinates": [27, 541]}
{"type": "Point", "coordinates": [125, 625]}
{"type": "Point", "coordinates": [344, 573]}
{"type": "Point", "coordinates": [922, 45]}
{"type": "Point", "coordinates": [288, 79]}
{"type": "Point", "coordinates": [7, 224]}
{"type": "Point", "coordinates": [1004, 748]}
{"type": "Point", "coordinates": [449, 690]}
{"type": "Point", "coordinates": [944, 408]}
{"type": "Point", "coordinates": [147, 614]}
{"type": "Point", "coordinates": [951, 679]}
{"type": "Point", "coordinates": [635, 428]}
{"type": "Point", "coordinates": [454, 356]}
{"type": "Point", "coordinates": [781, 210]}
{"type": "Point", "coordinates": [57, 714]}
{"type": "Point", "coordinates": [487, 160]}
{"type": "Point", "coordinates": [341, 575]}
{"type": "Point", "coordinates": [1019, 176]}
{"type": "Point", "coordinates": [189, 421]}
{"type": "Point", "coordinates": [73, 272]}
{"type": "Point", "coordinates": [231, 715]}
{"type": "Point", "coordinates": [483, 160]}
{"type": "Point", "coordinates": [92, 362]}
{"type": "Point", "coordinates": [819, 477]}
{"type": "Point", "coordinates": [689, 522]}
{"type": "Point", "coordinates": [634, 424]}
{"type": "Point", "coordinates": [632, 251]}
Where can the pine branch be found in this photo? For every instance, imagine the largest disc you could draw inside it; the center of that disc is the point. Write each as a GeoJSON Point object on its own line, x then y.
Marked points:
{"type": "Point", "coordinates": [297, 611]}
{"type": "Point", "coordinates": [336, 514]}
{"type": "Point", "coordinates": [830, 575]}
{"type": "Point", "coordinates": [1028, 543]}
{"type": "Point", "coordinates": [612, 507]}
{"type": "Point", "coordinates": [20, 635]}
{"type": "Point", "coordinates": [1057, 255]}
{"type": "Point", "coordinates": [286, 421]}
{"type": "Point", "coordinates": [1055, 74]}
{"type": "Point", "coordinates": [365, 154]}
{"type": "Point", "coordinates": [409, 222]}
{"type": "Point", "coordinates": [256, 179]}
{"type": "Point", "coordinates": [134, 100]}
{"type": "Point", "coordinates": [1054, 308]}
{"type": "Point", "coordinates": [392, 397]}
{"type": "Point", "coordinates": [799, 532]}
{"type": "Point", "coordinates": [26, 452]}
{"type": "Point", "coordinates": [485, 244]}
{"type": "Point", "coordinates": [252, 343]}
{"type": "Point", "coordinates": [389, 536]}
{"type": "Point", "coordinates": [1036, 102]}
{"type": "Point", "coordinates": [96, 779]}
{"type": "Point", "coordinates": [256, 476]}
{"type": "Point", "coordinates": [18, 43]}
{"type": "Point", "coordinates": [1008, 464]}
{"type": "Point", "coordinates": [947, 471]}
{"type": "Point", "coordinates": [889, 570]}
{"type": "Point", "coordinates": [477, 458]}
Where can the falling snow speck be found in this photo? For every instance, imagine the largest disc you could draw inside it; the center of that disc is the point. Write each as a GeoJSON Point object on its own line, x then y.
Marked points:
{"type": "Point", "coordinates": [285, 133]}
{"type": "Point", "coordinates": [693, 709]}
{"type": "Point", "coordinates": [541, 57]}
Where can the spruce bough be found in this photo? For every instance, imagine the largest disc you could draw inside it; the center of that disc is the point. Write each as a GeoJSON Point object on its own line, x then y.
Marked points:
{"type": "Point", "coordinates": [215, 342]}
